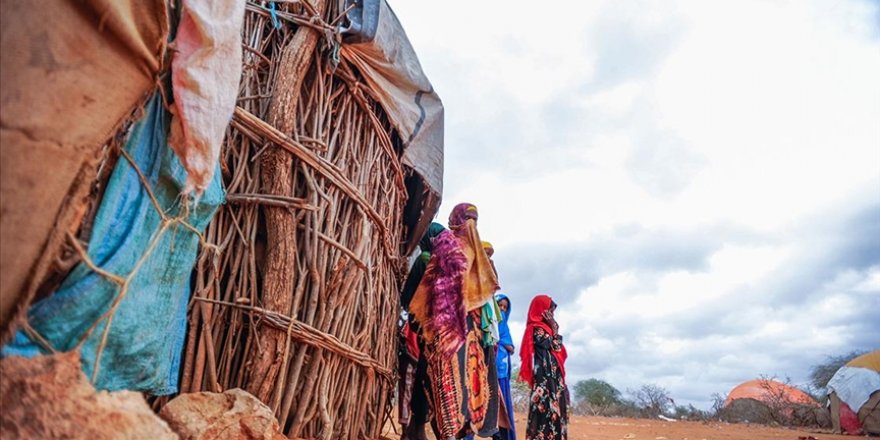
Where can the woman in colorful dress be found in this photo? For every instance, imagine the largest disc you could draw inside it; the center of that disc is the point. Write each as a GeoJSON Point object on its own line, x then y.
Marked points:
{"type": "Point", "coordinates": [458, 282]}
{"type": "Point", "coordinates": [413, 367]}
{"type": "Point", "coordinates": [543, 368]}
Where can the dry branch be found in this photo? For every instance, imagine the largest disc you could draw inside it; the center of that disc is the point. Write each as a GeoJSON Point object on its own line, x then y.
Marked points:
{"type": "Point", "coordinates": [301, 304]}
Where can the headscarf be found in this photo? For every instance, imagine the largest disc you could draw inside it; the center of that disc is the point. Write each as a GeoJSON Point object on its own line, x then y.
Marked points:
{"type": "Point", "coordinates": [503, 328]}
{"type": "Point", "coordinates": [480, 281]}
{"type": "Point", "coordinates": [535, 320]}
{"type": "Point", "coordinates": [426, 243]}
{"type": "Point", "coordinates": [490, 250]}
{"type": "Point", "coordinates": [417, 271]}
{"type": "Point", "coordinates": [461, 213]}
{"type": "Point", "coordinates": [505, 338]}
{"type": "Point", "coordinates": [459, 278]}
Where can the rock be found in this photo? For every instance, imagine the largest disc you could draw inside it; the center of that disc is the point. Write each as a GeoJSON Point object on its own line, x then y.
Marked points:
{"type": "Point", "coordinates": [231, 415]}
{"type": "Point", "coordinates": [50, 397]}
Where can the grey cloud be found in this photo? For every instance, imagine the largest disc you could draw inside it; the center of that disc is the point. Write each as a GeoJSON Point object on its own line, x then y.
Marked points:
{"type": "Point", "coordinates": [849, 239]}
{"type": "Point", "coordinates": [565, 270]}
{"type": "Point", "coordinates": [872, 16]}
{"type": "Point", "coordinates": [558, 271]}
{"type": "Point", "coordinates": [589, 363]}
{"type": "Point", "coordinates": [505, 138]}
{"type": "Point", "coordinates": [800, 284]}
{"type": "Point", "coordinates": [861, 246]}
{"type": "Point", "coordinates": [865, 331]}
{"type": "Point", "coordinates": [723, 347]}
{"type": "Point", "coordinates": [626, 50]}
{"type": "Point", "coordinates": [726, 349]}
{"type": "Point", "coordinates": [506, 133]}
{"type": "Point", "coordinates": [661, 162]}
{"type": "Point", "coordinates": [527, 140]}
{"type": "Point", "coordinates": [569, 125]}
{"type": "Point", "coordinates": [695, 373]}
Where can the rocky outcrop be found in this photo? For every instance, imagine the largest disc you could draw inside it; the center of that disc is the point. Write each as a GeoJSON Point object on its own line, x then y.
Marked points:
{"type": "Point", "coordinates": [232, 415]}
{"type": "Point", "coordinates": [49, 397]}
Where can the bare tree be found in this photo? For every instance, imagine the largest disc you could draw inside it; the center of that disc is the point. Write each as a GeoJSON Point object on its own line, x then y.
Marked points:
{"type": "Point", "coordinates": [783, 410]}
{"type": "Point", "coordinates": [821, 374]}
{"type": "Point", "coordinates": [653, 400]}
{"type": "Point", "coordinates": [777, 400]}
{"type": "Point", "coordinates": [718, 400]}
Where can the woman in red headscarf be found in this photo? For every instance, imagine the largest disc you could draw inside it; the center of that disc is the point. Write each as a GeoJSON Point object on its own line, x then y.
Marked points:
{"type": "Point", "coordinates": [543, 368]}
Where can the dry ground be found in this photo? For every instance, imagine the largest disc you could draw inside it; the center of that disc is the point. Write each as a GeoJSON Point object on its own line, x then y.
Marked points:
{"type": "Point", "coordinates": [606, 428]}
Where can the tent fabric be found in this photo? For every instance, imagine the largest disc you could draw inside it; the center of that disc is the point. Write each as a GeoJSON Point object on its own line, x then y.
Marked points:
{"type": "Point", "coordinates": [854, 386]}
{"type": "Point", "coordinates": [392, 70]}
{"type": "Point", "coordinates": [764, 390]}
{"type": "Point", "coordinates": [869, 360]}
{"type": "Point", "coordinates": [206, 71]}
{"type": "Point", "coordinates": [869, 415]}
{"type": "Point", "coordinates": [843, 418]}
{"type": "Point", "coordinates": [72, 72]}
{"type": "Point", "coordinates": [145, 341]}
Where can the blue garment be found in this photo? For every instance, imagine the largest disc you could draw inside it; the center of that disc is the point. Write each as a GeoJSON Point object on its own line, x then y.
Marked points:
{"type": "Point", "coordinates": [507, 401]}
{"type": "Point", "coordinates": [503, 360]}
{"type": "Point", "coordinates": [145, 342]}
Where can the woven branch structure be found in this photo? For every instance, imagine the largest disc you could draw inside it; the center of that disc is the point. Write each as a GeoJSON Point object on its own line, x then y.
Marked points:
{"type": "Point", "coordinates": [298, 301]}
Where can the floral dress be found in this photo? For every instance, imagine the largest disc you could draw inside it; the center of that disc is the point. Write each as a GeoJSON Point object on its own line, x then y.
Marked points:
{"type": "Point", "coordinates": [548, 406]}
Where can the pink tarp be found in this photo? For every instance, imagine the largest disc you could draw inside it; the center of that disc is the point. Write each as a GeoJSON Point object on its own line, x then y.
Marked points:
{"type": "Point", "coordinates": [206, 71]}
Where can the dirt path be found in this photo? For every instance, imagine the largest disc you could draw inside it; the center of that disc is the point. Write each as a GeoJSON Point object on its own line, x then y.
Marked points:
{"type": "Point", "coordinates": [607, 428]}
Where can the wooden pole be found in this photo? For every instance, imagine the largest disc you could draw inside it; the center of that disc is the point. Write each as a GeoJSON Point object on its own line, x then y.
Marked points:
{"type": "Point", "coordinates": [278, 180]}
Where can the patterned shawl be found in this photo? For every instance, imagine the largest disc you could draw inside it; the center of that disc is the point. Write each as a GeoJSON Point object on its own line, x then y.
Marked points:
{"type": "Point", "coordinates": [480, 280]}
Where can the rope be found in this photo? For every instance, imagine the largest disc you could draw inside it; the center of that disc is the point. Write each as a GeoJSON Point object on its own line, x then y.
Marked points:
{"type": "Point", "coordinates": [309, 335]}
{"type": "Point", "coordinates": [122, 281]}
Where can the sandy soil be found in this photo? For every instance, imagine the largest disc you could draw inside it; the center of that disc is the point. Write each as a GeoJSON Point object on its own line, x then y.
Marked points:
{"type": "Point", "coordinates": [606, 428]}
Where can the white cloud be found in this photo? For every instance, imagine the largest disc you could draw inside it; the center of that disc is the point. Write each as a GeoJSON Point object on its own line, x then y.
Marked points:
{"type": "Point", "coordinates": [708, 172]}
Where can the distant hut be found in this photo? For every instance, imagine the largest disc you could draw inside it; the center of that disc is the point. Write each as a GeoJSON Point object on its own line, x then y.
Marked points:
{"type": "Point", "coordinates": [854, 396]}
{"type": "Point", "coordinates": [768, 401]}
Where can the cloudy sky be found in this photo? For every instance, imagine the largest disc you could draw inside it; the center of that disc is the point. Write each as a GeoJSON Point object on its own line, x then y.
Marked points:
{"type": "Point", "coordinates": [696, 183]}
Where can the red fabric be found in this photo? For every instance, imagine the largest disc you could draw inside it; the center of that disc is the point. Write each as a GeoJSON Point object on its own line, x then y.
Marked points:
{"type": "Point", "coordinates": [539, 305]}
{"type": "Point", "coordinates": [849, 421]}
{"type": "Point", "coordinates": [412, 341]}
{"type": "Point", "coordinates": [561, 356]}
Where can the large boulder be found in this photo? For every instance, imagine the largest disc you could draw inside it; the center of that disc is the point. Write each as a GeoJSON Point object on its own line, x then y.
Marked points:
{"type": "Point", "coordinates": [49, 397]}
{"type": "Point", "coordinates": [231, 415]}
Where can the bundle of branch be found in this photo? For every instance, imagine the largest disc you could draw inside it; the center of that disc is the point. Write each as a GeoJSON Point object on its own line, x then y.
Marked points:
{"type": "Point", "coordinates": [299, 306]}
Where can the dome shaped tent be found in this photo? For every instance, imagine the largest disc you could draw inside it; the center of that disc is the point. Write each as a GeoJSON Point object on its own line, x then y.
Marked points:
{"type": "Point", "coordinates": [854, 395]}
{"type": "Point", "coordinates": [769, 401]}
{"type": "Point", "coordinates": [768, 391]}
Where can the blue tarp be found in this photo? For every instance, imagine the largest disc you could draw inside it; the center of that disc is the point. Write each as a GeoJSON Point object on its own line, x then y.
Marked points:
{"type": "Point", "coordinates": [145, 342]}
